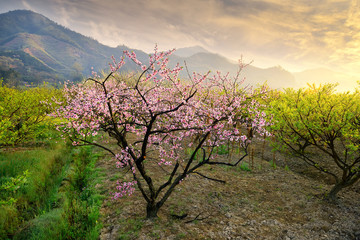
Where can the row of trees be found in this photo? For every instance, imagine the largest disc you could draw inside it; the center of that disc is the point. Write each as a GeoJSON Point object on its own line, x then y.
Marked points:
{"type": "Point", "coordinates": [24, 113]}
{"type": "Point", "coordinates": [317, 119]}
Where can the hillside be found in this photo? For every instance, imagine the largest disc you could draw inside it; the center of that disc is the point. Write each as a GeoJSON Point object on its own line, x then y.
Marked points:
{"type": "Point", "coordinates": [49, 49]}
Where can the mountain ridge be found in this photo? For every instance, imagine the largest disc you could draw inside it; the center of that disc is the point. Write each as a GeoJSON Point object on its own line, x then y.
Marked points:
{"type": "Point", "coordinates": [190, 51]}
{"type": "Point", "coordinates": [66, 54]}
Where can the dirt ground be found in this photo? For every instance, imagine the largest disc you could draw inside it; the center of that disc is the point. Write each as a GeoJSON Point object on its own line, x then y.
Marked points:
{"type": "Point", "coordinates": [267, 202]}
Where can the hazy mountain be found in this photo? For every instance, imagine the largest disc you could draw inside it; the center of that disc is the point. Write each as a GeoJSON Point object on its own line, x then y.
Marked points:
{"type": "Point", "coordinates": [189, 51]}
{"type": "Point", "coordinates": [35, 49]}
{"type": "Point", "coordinates": [275, 77]}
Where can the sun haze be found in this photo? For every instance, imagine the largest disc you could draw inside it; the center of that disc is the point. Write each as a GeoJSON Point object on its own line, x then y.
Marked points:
{"type": "Point", "coordinates": [295, 34]}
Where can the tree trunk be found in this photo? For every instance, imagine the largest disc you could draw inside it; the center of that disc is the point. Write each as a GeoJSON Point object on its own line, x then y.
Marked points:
{"type": "Point", "coordinates": [332, 195]}
{"type": "Point", "coordinates": [152, 210]}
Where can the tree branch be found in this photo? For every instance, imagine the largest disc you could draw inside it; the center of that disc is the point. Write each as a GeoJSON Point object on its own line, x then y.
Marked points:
{"type": "Point", "coordinates": [209, 178]}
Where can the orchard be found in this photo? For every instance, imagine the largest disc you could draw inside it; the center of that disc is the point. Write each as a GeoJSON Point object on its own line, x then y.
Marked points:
{"type": "Point", "coordinates": [24, 113]}
{"type": "Point", "coordinates": [319, 118]}
{"type": "Point", "coordinates": [161, 131]}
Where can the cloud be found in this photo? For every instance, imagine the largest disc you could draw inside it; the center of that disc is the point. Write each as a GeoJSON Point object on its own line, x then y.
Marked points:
{"type": "Point", "coordinates": [293, 32]}
{"type": "Point", "coordinates": [27, 5]}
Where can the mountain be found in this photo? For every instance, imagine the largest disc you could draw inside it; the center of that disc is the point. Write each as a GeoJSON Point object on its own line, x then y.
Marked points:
{"type": "Point", "coordinates": [34, 49]}
{"type": "Point", "coordinates": [39, 48]}
{"type": "Point", "coordinates": [190, 51]}
{"type": "Point", "coordinates": [202, 62]}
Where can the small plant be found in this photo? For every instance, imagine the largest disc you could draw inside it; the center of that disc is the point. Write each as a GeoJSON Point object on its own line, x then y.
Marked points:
{"type": "Point", "coordinates": [155, 235]}
{"type": "Point", "coordinates": [287, 168]}
{"type": "Point", "coordinates": [272, 164]}
{"type": "Point", "coordinates": [10, 187]}
{"type": "Point", "coordinates": [180, 236]}
{"type": "Point", "coordinates": [223, 149]}
{"type": "Point", "coordinates": [245, 167]}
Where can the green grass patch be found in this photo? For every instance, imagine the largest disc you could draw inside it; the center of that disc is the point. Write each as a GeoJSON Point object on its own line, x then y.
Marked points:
{"type": "Point", "coordinates": [222, 149]}
{"type": "Point", "coordinates": [245, 167]}
{"type": "Point", "coordinates": [130, 228]}
{"type": "Point", "coordinates": [28, 184]}
{"type": "Point", "coordinates": [49, 193]}
{"type": "Point", "coordinates": [272, 164]}
{"type": "Point", "coordinates": [83, 202]}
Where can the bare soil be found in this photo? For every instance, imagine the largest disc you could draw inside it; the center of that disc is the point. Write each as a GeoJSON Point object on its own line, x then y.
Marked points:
{"type": "Point", "coordinates": [267, 202]}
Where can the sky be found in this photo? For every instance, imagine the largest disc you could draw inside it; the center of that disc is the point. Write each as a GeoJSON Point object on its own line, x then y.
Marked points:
{"type": "Point", "coordinates": [296, 34]}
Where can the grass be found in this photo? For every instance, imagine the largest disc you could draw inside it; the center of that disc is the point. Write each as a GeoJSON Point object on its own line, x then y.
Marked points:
{"type": "Point", "coordinates": [82, 203]}
{"type": "Point", "coordinates": [180, 236]}
{"type": "Point", "coordinates": [222, 149]}
{"type": "Point", "coordinates": [245, 167]}
{"type": "Point", "coordinates": [36, 193]}
{"type": "Point", "coordinates": [130, 228]}
{"type": "Point", "coordinates": [272, 164]}
{"type": "Point", "coordinates": [36, 202]}
{"type": "Point", "coordinates": [46, 226]}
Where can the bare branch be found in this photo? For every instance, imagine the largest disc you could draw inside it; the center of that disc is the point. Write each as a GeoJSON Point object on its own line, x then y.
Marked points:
{"type": "Point", "coordinates": [209, 178]}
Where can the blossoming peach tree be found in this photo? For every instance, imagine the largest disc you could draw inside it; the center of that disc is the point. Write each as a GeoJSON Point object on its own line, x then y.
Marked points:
{"type": "Point", "coordinates": [154, 117]}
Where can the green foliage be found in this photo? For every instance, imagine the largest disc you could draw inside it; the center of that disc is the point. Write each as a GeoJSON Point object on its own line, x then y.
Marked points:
{"type": "Point", "coordinates": [28, 180]}
{"type": "Point", "coordinates": [223, 149]}
{"type": "Point", "coordinates": [245, 167]}
{"type": "Point", "coordinates": [15, 183]}
{"type": "Point", "coordinates": [81, 211]}
{"type": "Point", "coordinates": [272, 164]}
{"type": "Point", "coordinates": [319, 118]}
{"type": "Point", "coordinates": [44, 207]}
{"type": "Point", "coordinates": [23, 113]}
{"type": "Point", "coordinates": [10, 187]}
{"type": "Point", "coordinates": [9, 220]}
{"type": "Point", "coordinates": [79, 219]}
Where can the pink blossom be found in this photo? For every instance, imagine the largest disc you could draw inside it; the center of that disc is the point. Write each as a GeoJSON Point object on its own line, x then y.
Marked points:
{"type": "Point", "coordinates": [152, 117]}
